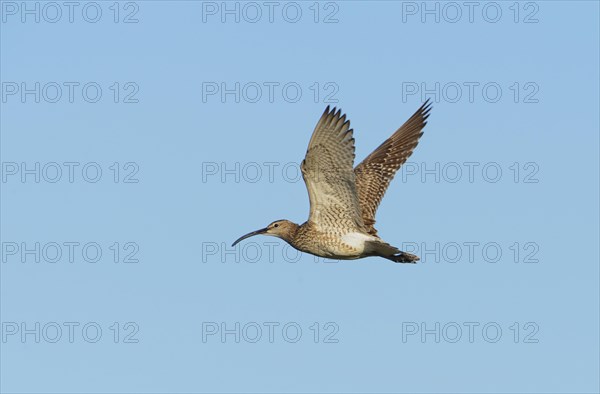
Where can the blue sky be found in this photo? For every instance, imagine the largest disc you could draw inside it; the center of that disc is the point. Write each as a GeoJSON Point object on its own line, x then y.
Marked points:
{"type": "Point", "coordinates": [139, 139]}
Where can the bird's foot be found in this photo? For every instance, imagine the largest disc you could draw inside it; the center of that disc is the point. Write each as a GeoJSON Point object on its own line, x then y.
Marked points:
{"type": "Point", "coordinates": [404, 257]}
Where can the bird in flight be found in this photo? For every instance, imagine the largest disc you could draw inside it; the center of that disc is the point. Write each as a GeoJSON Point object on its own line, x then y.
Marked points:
{"type": "Point", "coordinates": [344, 198]}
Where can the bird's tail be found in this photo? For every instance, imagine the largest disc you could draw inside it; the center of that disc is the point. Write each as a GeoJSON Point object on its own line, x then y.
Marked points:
{"type": "Point", "coordinates": [392, 253]}
{"type": "Point", "coordinates": [403, 257]}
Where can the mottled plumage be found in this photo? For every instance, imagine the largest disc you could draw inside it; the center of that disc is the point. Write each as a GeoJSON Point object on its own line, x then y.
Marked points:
{"type": "Point", "coordinates": [343, 199]}
{"type": "Point", "coordinates": [376, 171]}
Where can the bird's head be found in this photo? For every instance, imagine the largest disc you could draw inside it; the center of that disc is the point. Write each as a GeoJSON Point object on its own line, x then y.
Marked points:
{"type": "Point", "coordinates": [283, 229]}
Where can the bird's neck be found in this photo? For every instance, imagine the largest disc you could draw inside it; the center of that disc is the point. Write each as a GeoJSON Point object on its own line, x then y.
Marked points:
{"type": "Point", "coordinates": [291, 233]}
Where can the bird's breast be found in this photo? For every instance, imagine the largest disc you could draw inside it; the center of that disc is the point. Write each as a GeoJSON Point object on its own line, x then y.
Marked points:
{"type": "Point", "coordinates": [349, 245]}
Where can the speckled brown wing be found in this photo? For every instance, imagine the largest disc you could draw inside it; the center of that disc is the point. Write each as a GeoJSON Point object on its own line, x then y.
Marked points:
{"type": "Point", "coordinates": [328, 173]}
{"type": "Point", "coordinates": [375, 173]}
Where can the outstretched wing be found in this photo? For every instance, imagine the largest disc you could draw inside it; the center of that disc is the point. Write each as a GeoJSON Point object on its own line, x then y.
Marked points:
{"type": "Point", "coordinates": [375, 173]}
{"type": "Point", "coordinates": [328, 174]}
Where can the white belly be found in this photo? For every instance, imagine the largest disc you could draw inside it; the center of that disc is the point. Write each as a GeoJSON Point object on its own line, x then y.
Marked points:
{"type": "Point", "coordinates": [352, 245]}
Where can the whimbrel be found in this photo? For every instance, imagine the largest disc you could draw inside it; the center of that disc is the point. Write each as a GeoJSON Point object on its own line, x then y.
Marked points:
{"type": "Point", "coordinates": [343, 199]}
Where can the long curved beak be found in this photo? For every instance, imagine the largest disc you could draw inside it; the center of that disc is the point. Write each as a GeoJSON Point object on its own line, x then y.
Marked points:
{"type": "Point", "coordinates": [253, 233]}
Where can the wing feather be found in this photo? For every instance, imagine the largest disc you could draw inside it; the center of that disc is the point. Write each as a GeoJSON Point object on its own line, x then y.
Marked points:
{"type": "Point", "coordinates": [328, 173]}
{"type": "Point", "coordinates": [376, 171]}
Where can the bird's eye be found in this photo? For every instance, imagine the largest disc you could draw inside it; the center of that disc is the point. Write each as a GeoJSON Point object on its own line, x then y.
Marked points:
{"type": "Point", "coordinates": [275, 225]}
